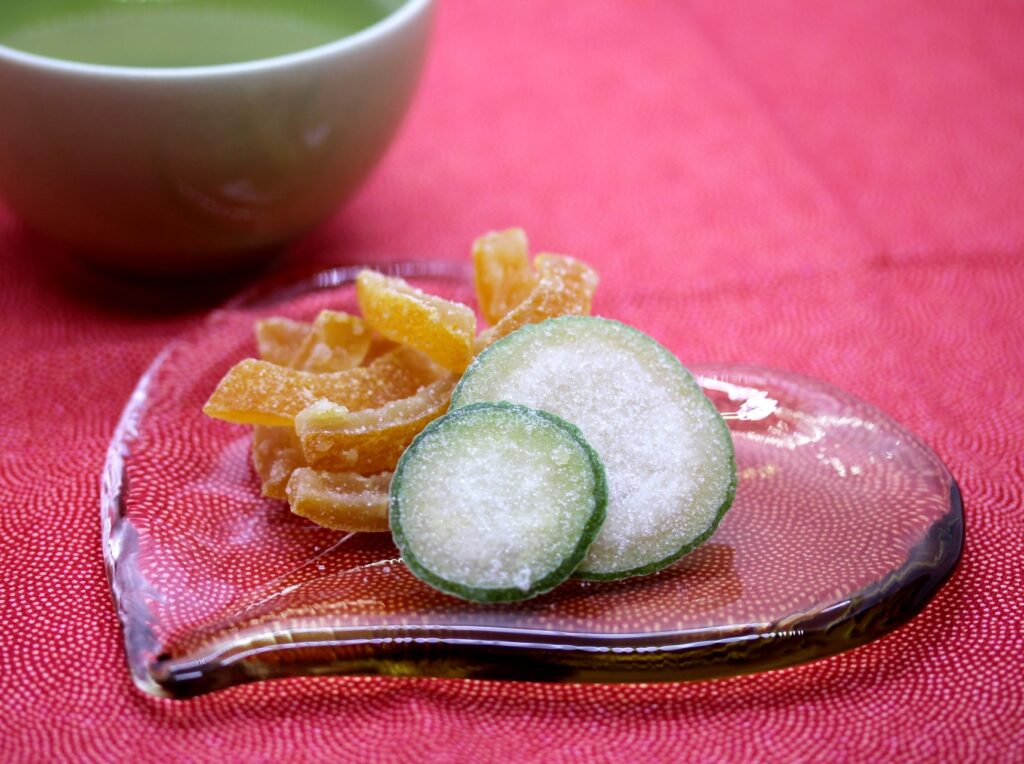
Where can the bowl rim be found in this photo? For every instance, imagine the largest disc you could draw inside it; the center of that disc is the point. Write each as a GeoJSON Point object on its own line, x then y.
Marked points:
{"type": "Point", "coordinates": [403, 14]}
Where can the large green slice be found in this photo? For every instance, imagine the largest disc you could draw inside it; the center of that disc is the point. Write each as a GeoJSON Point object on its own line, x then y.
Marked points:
{"type": "Point", "coordinates": [667, 453]}
{"type": "Point", "coordinates": [497, 502]}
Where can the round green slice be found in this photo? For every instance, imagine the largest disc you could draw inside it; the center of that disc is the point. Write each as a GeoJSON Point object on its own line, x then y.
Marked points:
{"type": "Point", "coordinates": [667, 453]}
{"type": "Point", "coordinates": [496, 502]}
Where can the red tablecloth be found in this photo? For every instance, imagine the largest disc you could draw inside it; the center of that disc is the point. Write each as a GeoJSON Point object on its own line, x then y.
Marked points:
{"type": "Point", "coordinates": [833, 188]}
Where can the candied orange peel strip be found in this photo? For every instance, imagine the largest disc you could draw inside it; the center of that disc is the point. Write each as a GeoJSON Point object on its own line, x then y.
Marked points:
{"type": "Point", "coordinates": [276, 454]}
{"type": "Point", "coordinates": [278, 338]}
{"type": "Point", "coordinates": [343, 501]}
{"type": "Point", "coordinates": [565, 286]}
{"type": "Point", "coordinates": [378, 346]}
{"type": "Point", "coordinates": [502, 274]}
{"type": "Point", "coordinates": [336, 342]}
{"type": "Point", "coordinates": [259, 392]}
{"type": "Point", "coordinates": [334, 438]}
{"type": "Point", "coordinates": [442, 329]}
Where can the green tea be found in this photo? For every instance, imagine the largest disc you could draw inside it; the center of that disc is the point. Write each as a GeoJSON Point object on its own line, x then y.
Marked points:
{"type": "Point", "coordinates": [169, 33]}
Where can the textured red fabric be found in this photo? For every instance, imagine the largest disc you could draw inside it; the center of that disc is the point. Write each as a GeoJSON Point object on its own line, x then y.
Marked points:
{"type": "Point", "coordinates": [833, 188]}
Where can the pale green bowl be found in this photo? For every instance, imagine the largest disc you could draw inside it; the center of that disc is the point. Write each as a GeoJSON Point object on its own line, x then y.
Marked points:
{"type": "Point", "coordinates": [174, 170]}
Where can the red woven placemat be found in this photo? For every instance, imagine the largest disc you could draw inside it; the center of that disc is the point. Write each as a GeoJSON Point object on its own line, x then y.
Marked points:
{"type": "Point", "coordinates": [836, 189]}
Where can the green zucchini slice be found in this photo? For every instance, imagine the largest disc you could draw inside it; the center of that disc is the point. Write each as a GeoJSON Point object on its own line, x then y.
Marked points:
{"type": "Point", "coordinates": [667, 452]}
{"type": "Point", "coordinates": [496, 502]}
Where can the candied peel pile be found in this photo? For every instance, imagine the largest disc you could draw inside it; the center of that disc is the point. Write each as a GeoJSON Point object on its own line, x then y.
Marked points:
{"type": "Point", "coordinates": [335, 402]}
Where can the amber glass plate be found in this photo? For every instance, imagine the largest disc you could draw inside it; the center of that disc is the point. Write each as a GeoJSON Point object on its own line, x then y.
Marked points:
{"type": "Point", "coordinates": [844, 526]}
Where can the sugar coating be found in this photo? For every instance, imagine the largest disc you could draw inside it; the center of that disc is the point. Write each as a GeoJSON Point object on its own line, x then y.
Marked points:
{"type": "Point", "coordinates": [258, 392]}
{"type": "Point", "coordinates": [667, 457]}
{"type": "Point", "coordinates": [495, 499]}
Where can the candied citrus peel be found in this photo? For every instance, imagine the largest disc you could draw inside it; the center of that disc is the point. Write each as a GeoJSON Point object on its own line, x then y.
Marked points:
{"type": "Point", "coordinates": [278, 338]}
{"type": "Point", "coordinates": [378, 346]}
{"type": "Point", "coordinates": [259, 392]}
{"type": "Point", "coordinates": [337, 401]}
{"type": "Point", "coordinates": [565, 286]}
{"type": "Point", "coordinates": [502, 274]}
{"type": "Point", "coordinates": [337, 341]}
{"type": "Point", "coordinates": [370, 440]}
{"type": "Point", "coordinates": [442, 329]}
{"type": "Point", "coordinates": [343, 501]}
{"type": "Point", "coordinates": [276, 453]}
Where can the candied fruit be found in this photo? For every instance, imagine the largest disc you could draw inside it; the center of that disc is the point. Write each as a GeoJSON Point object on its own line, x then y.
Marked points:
{"type": "Point", "coordinates": [565, 286]}
{"type": "Point", "coordinates": [336, 402]}
{"type": "Point", "coordinates": [276, 453]}
{"type": "Point", "coordinates": [278, 338]}
{"type": "Point", "coordinates": [337, 341]}
{"type": "Point", "coordinates": [371, 440]}
{"type": "Point", "coordinates": [501, 272]}
{"type": "Point", "coordinates": [343, 501]}
{"type": "Point", "coordinates": [259, 392]}
{"type": "Point", "coordinates": [441, 329]}
{"type": "Point", "coordinates": [379, 345]}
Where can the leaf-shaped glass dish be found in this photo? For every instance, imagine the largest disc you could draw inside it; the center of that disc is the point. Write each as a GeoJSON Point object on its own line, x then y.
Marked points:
{"type": "Point", "coordinates": [844, 526]}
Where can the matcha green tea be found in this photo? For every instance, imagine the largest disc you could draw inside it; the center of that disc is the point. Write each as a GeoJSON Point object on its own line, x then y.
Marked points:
{"type": "Point", "coordinates": [167, 33]}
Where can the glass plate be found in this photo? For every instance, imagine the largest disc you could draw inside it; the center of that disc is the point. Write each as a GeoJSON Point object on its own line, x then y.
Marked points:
{"type": "Point", "coordinates": [844, 526]}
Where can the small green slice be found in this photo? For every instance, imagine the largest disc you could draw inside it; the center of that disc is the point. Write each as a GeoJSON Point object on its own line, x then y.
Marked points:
{"type": "Point", "coordinates": [668, 455]}
{"type": "Point", "coordinates": [497, 502]}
